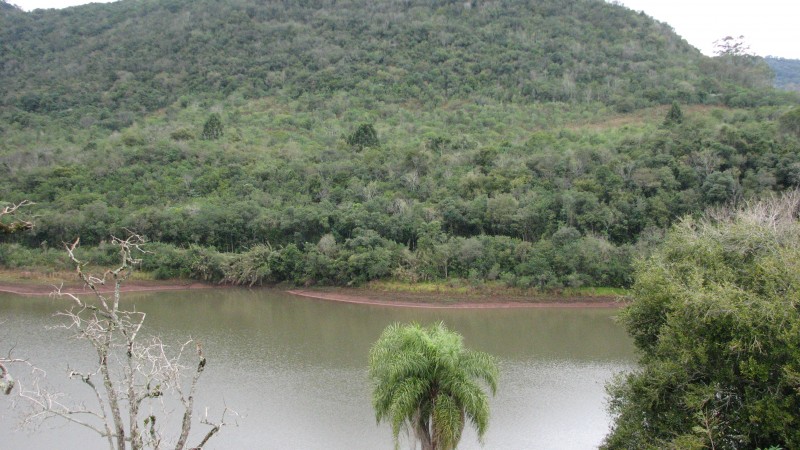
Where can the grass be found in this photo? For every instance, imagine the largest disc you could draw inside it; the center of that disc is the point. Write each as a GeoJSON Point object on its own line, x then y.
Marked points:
{"type": "Point", "coordinates": [595, 291]}
{"type": "Point", "coordinates": [463, 287]}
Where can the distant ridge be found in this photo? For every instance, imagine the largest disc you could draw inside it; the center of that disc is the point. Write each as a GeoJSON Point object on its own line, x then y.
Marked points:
{"type": "Point", "coordinates": [787, 72]}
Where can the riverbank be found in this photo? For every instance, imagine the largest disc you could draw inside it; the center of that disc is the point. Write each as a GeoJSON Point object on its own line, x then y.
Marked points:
{"type": "Point", "coordinates": [33, 284]}
{"type": "Point", "coordinates": [441, 301]}
{"type": "Point", "coordinates": [37, 289]}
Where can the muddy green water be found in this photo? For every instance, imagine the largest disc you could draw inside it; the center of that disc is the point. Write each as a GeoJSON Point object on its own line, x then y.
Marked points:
{"type": "Point", "coordinates": [295, 368]}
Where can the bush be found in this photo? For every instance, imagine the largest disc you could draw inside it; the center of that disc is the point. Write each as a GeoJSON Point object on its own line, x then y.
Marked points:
{"type": "Point", "coordinates": [716, 315]}
{"type": "Point", "coordinates": [182, 134]}
{"type": "Point", "coordinates": [252, 267]}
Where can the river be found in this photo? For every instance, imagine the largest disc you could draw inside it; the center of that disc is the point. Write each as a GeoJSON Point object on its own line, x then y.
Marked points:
{"type": "Point", "coordinates": [295, 368]}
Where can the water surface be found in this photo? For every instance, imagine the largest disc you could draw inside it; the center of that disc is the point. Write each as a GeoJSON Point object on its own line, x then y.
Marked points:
{"type": "Point", "coordinates": [295, 368]}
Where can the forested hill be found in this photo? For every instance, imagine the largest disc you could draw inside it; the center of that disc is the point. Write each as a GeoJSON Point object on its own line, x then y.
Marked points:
{"type": "Point", "coordinates": [533, 143]}
{"type": "Point", "coordinates": [141, 55]}
{"type": "Point", "coordinates": [787, 72]}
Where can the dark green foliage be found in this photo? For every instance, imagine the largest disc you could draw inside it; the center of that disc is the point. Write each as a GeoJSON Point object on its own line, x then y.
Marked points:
{"type": "Point", "coordinates": [715, 315]}
{"type": "Point", "coordinates": [718, 187]}
{"type": "Point", "coordinates": [562, 208]}
{"type": "Point", "coordinates": [212, 129]}
{"type": "Point", "coordinates": [674, 115]}
{"type": "Point", "coordinates": [364, 136]}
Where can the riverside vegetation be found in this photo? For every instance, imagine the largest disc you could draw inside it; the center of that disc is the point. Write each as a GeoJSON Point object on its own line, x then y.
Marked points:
{"type": "Point", "coordinates": [715, 317]}
{"type": "Point", "coordinates": [523, 143]}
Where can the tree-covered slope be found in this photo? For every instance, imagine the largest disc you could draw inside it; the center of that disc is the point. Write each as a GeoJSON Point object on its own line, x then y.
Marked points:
{"type": "Point", "coordinates": [106, 60]}
{"type": "Point", "coordinates": [347, 141]}
{"type": "Point", "coordinates": [787, 72]}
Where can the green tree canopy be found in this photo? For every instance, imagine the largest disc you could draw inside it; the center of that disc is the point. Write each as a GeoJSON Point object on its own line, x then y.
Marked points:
{"type": "Point", "coordinates": [716, 315]}
{"type": "Point", "coordinates": [364, 136]}
{"type": "Point", "coordinates": [674, 115]}
{"type": "Point", "coordinates": [424, 379]}
{"type": "Point", "coordinates": [790, 122]}
{"type": "Point", "coordinates": [213, 127]}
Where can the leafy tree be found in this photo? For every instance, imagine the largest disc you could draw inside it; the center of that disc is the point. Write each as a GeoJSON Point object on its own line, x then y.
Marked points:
{"type": "Point", "coordinates": [364, 136]}
{"type": "Point", "coordinates": [715, 315]}
{"type": "Point", "coordinates": [424, 379]}
{"type": "Point", "coordinates": [212, 129]}
{"type": "Point", "coordinates": [719, 187]}
{"type": "Point", "coordinates": [790, 122]}
{"type": "Point", "coordinates": [740, 65]}
{"type": "Point", "coordinates": [674, 115]}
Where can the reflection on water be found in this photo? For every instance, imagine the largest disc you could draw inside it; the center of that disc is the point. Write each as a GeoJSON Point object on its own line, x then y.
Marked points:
{"type": "Point", "coordinates": [295, 368]}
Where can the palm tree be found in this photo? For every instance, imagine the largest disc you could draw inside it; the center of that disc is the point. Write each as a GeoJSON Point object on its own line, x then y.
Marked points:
{"type": "Point", "coordinates": [424, 379]}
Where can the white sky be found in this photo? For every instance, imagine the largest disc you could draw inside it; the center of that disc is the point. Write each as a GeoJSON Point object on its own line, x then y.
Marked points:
{"type": "Point", "coordinates": [29, 5]}
{"type": "Point", "coordinates": [770, 27]}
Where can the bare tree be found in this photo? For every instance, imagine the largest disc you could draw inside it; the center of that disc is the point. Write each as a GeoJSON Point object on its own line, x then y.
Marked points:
{"type": "Point", "coordinates": [16, 223]}
{"type": "Point", "coordinates": [133, 373]}
{"type": "Point", "coordinates": [7, 382]}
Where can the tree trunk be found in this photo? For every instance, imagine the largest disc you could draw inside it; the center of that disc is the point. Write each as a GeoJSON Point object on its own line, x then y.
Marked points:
{"type": "Point", "coordinates": [423, 434]}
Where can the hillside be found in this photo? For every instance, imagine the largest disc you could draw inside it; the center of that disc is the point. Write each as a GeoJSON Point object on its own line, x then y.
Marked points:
{"type": "Point", "coordinates": [787, 72]}
{"type": "Point", "coordinates": [338, 142]}
{"type": "Point", "coordinates": [141, 55]}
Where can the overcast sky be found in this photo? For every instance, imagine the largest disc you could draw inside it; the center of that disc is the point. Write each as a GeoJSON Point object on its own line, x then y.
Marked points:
{"type": "Point", "coordinates": [29, 5]}
{"type": "Point", "coordinates": [769, 26]}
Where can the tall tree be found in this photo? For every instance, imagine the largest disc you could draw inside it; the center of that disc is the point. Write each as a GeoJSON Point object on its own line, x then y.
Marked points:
{"type": "Point", "coordinates": [674, 115]}
{"type": "Point", "coordinates": [364, 136]}
{"type": "Point", "coordinates": [213, 128]}
{"type": "Point", "coordinates": [424, 379]}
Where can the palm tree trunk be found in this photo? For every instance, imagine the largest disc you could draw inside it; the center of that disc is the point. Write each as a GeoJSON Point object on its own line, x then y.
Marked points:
{"type": "Point", "coordinates": [422, 431]}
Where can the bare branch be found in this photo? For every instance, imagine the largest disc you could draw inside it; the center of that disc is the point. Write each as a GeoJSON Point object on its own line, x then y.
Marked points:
{"type": "Point", "coordinates": [188, 400]}
{"type": "Point", "coordinates": [215, 426]}
{"type": "Point", "coordinates": [131, 372]}
{"type": "Point", "coordinates": [7, 382]}
{"type": "Point", "coordinates": [15, 225]}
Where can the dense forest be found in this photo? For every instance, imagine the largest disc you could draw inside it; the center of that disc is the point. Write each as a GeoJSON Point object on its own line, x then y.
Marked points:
{"type": "Point", "coordinates": [539, 144]}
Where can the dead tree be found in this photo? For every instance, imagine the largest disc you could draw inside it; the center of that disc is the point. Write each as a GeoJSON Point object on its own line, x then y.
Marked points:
{"type": "Point", "coordinates": [16, 224]}
{"type": "Point", "coordinates": [133, 373]}
{"type": "Point", "coordinates": [6, 380]}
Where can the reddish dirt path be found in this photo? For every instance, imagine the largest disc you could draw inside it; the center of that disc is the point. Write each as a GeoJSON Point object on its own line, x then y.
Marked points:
{"type": "Point", "coordinates": [423, 301]}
